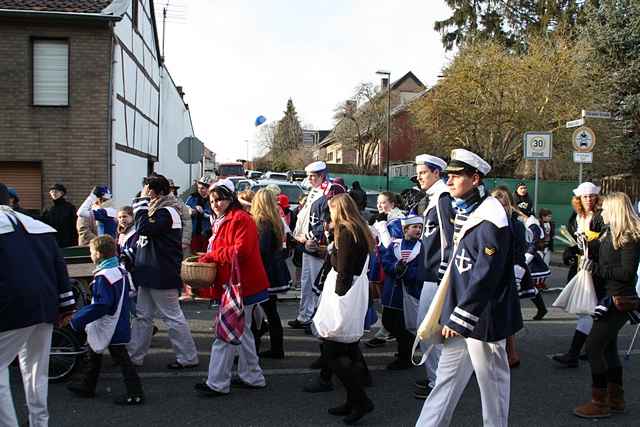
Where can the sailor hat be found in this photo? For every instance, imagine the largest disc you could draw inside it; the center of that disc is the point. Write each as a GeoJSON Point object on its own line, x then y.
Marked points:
{"type": "Point", "coordinates": [412, 219]}
{"type": "Point", "coordinates": [585, 189]}
{"type": "Point", "coordinates": [426, 159]}
{"type": "Point", "coordinates": [226, 183]}
{"type": "Point", "coordinates": [316, 167]}
{"type": "Point", "coordinates": [462, 159]}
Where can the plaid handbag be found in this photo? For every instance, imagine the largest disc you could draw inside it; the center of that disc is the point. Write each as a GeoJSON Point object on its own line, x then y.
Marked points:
{"type": "Point", "coordinates": [230, 321]}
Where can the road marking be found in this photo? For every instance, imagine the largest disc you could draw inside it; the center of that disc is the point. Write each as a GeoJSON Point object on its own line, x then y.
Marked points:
{"type": "Point", "coordinates": [288, 353]}
{"type": "Point", "coordinates": [193, 374]}
{"type": "Point", "coordinates": [620, 353]}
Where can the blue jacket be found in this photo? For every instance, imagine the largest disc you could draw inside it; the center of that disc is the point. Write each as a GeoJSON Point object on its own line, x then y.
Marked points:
{"type": "Point", "coordinates": [538, 268]}
{"type": "Point", "coordinates": [482, 301]}
{"type": "Point", "coordinates": [438, 231]}
{"type": "Point", "coordinates": [105, 217]}
{"type": "Point", "coordinates": [413, 278]}
{"type": "Point", "coordinates": [34, 283]}
{"type": "Point", "coordinates": [158, 254]}
{"type": "Point", "coordinates": [200, 223]}
{"type": "Point", "coordinates": [520, 246]}
{"type": "Point", "coordinates": [107, 286]}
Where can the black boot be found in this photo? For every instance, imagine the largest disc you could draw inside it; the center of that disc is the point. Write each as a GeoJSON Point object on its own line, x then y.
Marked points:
{"type": "Point", "coordinates": [570, 359]}
{"type": "Point", "coordinates": [85, 386]}
{"type": "Point", "coordinates": [542, 309]}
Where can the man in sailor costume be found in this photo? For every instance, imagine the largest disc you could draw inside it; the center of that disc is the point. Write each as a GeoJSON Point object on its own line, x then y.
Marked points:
{"type": "Point", "coordinates": [34, 294]}
{"type": "Point", "coordinates": [437, 240]}
{"type": "Point", "coordinates": [481, 308]}
{"type": "Point", "coordinates": [309, 232]}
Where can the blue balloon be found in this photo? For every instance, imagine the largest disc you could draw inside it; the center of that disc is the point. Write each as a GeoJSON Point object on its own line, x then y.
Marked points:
{"type": "Point", "coordinates": [260, 120]}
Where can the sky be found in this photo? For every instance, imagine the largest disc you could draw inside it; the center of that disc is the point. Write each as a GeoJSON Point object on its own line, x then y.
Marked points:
{"type": "Point", "coordinates": [243, 58]}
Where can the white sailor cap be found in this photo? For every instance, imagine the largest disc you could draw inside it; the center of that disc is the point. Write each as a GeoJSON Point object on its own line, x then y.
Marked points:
{"type": "Point", "coordinates": [426, 159]}
{"type": "Point", "coordinates": [412, 219]}
{"type": "Point", "coordinates": [226, 183]}
{"type": "Point", "coordinates": [316, 167]}
{"type": "Point", "coordinates": [462, 159]}
{"type": "Point", "coordinates": [586, 188]}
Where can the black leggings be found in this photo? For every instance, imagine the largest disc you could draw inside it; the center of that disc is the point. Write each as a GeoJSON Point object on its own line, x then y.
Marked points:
{"type": "Point", "coordinates": [346, 362]}
{"type": "Point", "coordinates": [602, 348]}
{"type": "Point", "coordinates": [120, 355]}
{"type": "Point", "coordinates": [276, 339]}
{"type": "Point", "coordinates": [393, 321]}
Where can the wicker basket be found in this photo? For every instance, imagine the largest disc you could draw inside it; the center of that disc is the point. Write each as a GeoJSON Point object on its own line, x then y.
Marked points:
{"type": "Point", "coordinates": [197, 274]}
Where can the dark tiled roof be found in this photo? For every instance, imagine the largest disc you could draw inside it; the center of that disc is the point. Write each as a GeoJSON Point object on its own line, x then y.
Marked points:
{"type": "Point", "coordinates": [71, 6]}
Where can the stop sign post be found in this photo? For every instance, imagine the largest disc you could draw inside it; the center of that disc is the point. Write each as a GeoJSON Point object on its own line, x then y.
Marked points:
{"type": "Point", "coordinates": [190, 151]}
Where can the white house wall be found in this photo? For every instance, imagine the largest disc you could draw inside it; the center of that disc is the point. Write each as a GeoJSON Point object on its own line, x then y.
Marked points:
{"type": "Point", "coordinates": [136, 124]}
{"type": "Point", "coordinates": [175, 124]}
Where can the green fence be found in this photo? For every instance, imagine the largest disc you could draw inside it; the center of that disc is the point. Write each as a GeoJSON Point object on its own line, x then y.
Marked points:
{"type": "Point", "coordinates": [553, 195]}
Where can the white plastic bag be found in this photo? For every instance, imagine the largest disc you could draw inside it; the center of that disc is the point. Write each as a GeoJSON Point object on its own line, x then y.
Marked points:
{"type": "Point", "coordinates": [341, 318]}
{"type": "Point", "coordinates": [579, 296]}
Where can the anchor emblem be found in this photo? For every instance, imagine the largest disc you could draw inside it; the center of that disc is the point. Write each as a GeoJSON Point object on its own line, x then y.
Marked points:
{"type": "Point", "coordinates": [460, 262]}
{"type": "Point", "coordinates": [429, 229]}
{"type": "Point", "coordinates": [142, 241]}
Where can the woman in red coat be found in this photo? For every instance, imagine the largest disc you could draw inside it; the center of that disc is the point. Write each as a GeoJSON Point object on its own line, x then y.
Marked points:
{"type": "Point", "coordinates": [234, 236]}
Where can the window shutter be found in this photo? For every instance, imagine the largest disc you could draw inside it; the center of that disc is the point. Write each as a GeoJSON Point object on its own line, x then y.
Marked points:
{"type": "Point", "coordinates": [50, 72]}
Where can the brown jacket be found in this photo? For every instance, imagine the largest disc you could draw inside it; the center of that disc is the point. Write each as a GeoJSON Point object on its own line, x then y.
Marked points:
{"type": "Point", "coordinates": [87, 230]}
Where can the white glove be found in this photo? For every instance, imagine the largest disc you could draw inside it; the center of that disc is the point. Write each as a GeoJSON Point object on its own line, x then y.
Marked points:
{"type": "Point", "coordinates": [528, 258]}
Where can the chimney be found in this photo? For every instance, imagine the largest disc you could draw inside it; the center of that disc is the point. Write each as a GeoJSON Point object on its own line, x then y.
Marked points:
{"type": "Point", "coordinates": [180, 91]}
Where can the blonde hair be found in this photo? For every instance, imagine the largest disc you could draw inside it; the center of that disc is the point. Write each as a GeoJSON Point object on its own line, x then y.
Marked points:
{"type": "Point", "coordinates": [345, 215]}
{"type": "Point", "coordinates": [504, 196]}
{"type": "Point", "coordinates": [246, 195]}
{"type": "Point", "coordinates": [576, 203]}
{"type": "Point", "coordinates": [105, 245]}
{"type": "Point", "coordinates": [264, 208]}
{"type": "Point", "coordinates": [624, 223]}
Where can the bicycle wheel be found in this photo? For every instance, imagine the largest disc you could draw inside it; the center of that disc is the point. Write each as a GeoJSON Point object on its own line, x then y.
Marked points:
{"type": "Point", "coordinates": [66, 354]}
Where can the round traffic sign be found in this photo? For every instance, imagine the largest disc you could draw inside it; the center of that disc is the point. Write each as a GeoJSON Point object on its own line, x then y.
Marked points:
{"type": "Point", "coordinates": [584, 139]}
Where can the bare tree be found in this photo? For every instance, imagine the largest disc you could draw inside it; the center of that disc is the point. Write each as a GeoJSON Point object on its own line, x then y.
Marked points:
{"type": "Point", "coordinates": [361, 125]}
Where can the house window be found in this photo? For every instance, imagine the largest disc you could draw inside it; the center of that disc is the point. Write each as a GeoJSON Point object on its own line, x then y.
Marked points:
{"type": "Point", "coordinates": [50, 72]}
{"type": "Point", "coordinates": [330, 156]}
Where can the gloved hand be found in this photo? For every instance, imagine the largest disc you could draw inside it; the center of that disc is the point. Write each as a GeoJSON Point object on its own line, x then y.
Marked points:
{"type": "Point", "coordinates": [382, 216]}
{"type": "Point", "coordinates": [126, 262]}
{"type": "Point", "coordinates": [401, 269]}
{"type": "Point", "coordinates": [78, 335]}
{"type": "Point", "coordinates": [101, 191]}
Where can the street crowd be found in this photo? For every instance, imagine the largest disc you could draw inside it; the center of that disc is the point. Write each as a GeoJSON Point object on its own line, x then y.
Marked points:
{"type": "Point", "coordinates": [448, 260]}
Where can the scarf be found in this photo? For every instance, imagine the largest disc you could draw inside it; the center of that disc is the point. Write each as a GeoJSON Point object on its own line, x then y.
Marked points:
{"type": "Point", "coordinates": [107, 263]}
{"type": "Point", "coordinates": [467, 203]}
{"type": "Point", "coordinates": [215, 227]}
{"type": "Point", "coordinates": [168, 201]}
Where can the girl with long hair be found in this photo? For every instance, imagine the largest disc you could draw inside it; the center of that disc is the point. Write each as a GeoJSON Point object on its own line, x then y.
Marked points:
{"type": "Point", "coordinates": [618, 251]}
{"type": "Point", "coordinates": [264, 210]}
{"type": "Point", "coordinates": [352, 245]}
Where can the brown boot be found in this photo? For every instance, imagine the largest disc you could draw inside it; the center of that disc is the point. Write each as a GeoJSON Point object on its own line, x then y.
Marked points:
{"type": "Point", "coordinates": [616, 397]}
{"type": "Point", "coordinates": [597, 408]}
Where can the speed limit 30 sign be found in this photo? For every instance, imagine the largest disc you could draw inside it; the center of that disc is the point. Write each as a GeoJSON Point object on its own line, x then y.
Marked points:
{"type": "Point", "coordinates": [538, 145]}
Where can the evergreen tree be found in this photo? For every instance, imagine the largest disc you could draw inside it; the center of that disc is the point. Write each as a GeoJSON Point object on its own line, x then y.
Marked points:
{"type": "Point", "coordinates": [288, 135]}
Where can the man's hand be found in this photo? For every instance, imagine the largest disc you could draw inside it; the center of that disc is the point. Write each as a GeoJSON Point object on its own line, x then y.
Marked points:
{"type": "Point", "coordinates": [447, 332]}
{"type": "Point", "coordinates": [63, 319]}
{"type": "Point", "coordinates": [200, 210]}
{"type": "Point", "coordinates": [145, 191]}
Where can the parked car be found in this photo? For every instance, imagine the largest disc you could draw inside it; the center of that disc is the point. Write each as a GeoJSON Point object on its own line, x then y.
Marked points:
{"type": "Point", "coordinates": [291, 189]}
{"type": "Point", "coordinates": [242, 183]}
{"type": "Point", "coordinates": [253, 174]}
{"type": "Point", "coordinates": [372, 204]}
{"type": "Point", "coordinates": [276, 176]}
{"type": "Point", "coordinates": [298, 175]}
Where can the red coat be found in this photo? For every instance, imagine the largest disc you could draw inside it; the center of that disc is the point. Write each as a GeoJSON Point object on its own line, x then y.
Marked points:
{"type": "Point", "coordinates": [238, 234]}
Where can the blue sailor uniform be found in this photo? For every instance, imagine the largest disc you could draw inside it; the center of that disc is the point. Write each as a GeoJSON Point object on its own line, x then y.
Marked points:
{"type": "Point", "coordinates": [438, 231]}
{"type": "Point", "coordinates": [105, 217]}
{"type": "Point", "coordinates": [412, 279]}
{"type": "Point", "coordinates": [535, 237]}
{"type": "Point", "coordinates": [107, 287]}
{"type": "Point", "coordinates": [482, 302]}
{"type": "Point", "coordinates": [159, 247]}
{"type": "Point", "coordinates": [523, 281]}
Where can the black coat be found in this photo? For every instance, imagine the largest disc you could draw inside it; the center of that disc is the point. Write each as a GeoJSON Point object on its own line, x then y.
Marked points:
{"type": "Point", "coordinates": [62, 217]}
{"type": "Point", "coordinates": [273, 259]}
{"type": "Point", "coordinates": [616, 269]}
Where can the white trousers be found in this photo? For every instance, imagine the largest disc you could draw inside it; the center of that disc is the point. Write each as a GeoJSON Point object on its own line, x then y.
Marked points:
{"type": "Point", "coordinates": [429, 290]}
{"type": "Point", "coordinates": [223, 353]}
{"type": "Point", "coordinates": [165, 303]}
{"type": "Point", "coordinates": [460, 358]}
{"type": "Point", "coordinates": [308, 300]}
{"type": "Point", "coordinates": [32, 345]}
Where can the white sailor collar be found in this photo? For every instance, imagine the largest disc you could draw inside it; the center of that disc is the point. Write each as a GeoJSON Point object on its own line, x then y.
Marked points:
{"type": "Point", "coordinates": [9, 217]}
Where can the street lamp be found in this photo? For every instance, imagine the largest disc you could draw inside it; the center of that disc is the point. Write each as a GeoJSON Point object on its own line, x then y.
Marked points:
{"type": "Point", "coordinates": [388, 75]}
